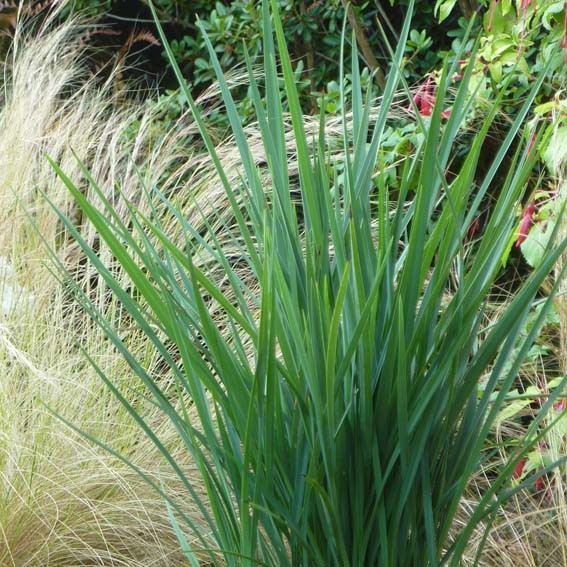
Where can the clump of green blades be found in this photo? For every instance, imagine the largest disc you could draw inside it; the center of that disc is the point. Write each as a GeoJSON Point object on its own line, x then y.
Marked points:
{"type": "Point", "coordinates": [335, 415]}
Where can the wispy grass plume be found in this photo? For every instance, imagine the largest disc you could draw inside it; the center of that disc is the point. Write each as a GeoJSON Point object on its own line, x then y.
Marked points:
{"type": "Point", "coordinates": [327, 386]}
{"type": "Point", "coordinates": [64, 500]}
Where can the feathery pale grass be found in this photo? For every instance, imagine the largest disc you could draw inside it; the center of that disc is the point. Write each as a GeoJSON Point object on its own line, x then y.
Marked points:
{"type": "Point", "coordinates": [351, 434]}
{"type": "Point", "coordinates": [66, 502]}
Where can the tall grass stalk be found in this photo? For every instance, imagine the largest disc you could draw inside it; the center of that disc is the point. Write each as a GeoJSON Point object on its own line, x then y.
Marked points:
{"type": "Point", "coordinates": [327, 385]}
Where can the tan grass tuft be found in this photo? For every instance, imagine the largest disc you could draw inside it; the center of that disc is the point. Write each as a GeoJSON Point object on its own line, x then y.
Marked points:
{"type": "Point", "coordinates": [66, 502]}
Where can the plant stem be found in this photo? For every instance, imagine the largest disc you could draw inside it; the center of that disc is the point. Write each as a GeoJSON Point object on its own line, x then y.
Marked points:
{"type": "Point", "coordinates": [364, 46]}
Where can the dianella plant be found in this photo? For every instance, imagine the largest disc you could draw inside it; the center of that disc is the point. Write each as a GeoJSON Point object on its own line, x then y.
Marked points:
{"type": "Point", "coordinates": [327, 339]}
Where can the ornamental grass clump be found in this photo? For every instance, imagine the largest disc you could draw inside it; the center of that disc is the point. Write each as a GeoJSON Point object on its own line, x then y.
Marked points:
{"type": "Point", "coordinates": [327, 345]}
{"type": "Point", "coordinates": [64, 501]}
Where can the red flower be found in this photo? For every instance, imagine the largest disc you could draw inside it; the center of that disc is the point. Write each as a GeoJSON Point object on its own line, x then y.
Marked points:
{"type": "Point", "coordinates": [519, 468]}
{"type": "Point", "coordinates": [424, 98]}
{"type": "Point", "coordinates": [538, 483]}
{"type": "Point", "coordinates": [526, 224]}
